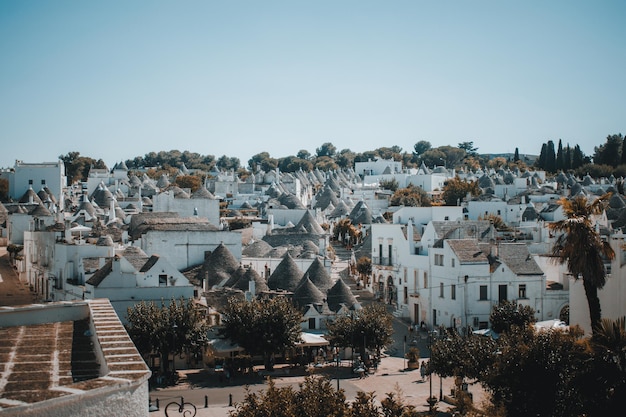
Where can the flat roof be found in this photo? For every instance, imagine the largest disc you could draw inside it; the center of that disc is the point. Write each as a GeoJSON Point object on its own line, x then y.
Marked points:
{"type": "Point", "coordinates": [55, 350]}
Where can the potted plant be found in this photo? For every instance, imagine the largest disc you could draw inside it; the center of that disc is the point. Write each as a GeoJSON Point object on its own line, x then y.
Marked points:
{"type": "Point", "coordinates": [413, 357]}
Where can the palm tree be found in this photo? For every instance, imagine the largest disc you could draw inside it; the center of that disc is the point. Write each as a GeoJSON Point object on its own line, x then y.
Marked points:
{"type": "Point", "coordinates": [582, 249]}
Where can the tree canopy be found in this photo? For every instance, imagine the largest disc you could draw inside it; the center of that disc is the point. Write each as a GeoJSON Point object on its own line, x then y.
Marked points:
{"type": "Point", "coordinates": [77, 167]}
{"type": "Point", "coordinates": [367, 328]}
{"type": "Point", "coordinates": [411, 196]}
{"type": "Point", "coordinates": [582, 249]}
{"type": "Point", "coordinates": [172, 328]}
{"type": "Point", "coordinates": [262, 326]}
{"type": "Point", "coordinates": [456, 189]}
{"type": "Point", "coordinates": [507, 314]}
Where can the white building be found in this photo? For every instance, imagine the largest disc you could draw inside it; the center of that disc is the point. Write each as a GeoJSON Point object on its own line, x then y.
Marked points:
{"type": "Point", "coordinates": [40, 377]}
{"type": "Point", "coordinates": [34, 175]}
{"type": "Point", "coordinates": [612, 296]}
{"type": "Point", "coordinates": [454, 272]}
{"type": "Point", "coordinates": [132, 276]}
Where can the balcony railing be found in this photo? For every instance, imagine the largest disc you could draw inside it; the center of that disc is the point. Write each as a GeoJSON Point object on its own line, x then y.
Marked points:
{"type": "Point", "coordinates": [376, 260]}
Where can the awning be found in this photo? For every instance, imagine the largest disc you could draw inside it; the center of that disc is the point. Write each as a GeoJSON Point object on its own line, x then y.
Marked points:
{"type": "Point", "coordinates": [551, 324]}
{"type": "Point", "coordinates": [312, 339]}
{"type": "Point", "coordinates": [224, 346]}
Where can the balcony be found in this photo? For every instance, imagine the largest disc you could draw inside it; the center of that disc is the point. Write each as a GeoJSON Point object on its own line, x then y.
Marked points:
{"type": "Point", "coordinates": [377, 260]}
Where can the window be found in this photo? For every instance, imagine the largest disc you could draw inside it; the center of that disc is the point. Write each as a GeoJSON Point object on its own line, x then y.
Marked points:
{"type": "Point", "coordinates": [452, 262]}
{"type": "Point", "coordinates": [425, 280]}
{"type": "Point", "coordinates": [476, 322]}
{"type": "Point", "coordinates": [380, 251]}
{"type": "Point", "coordinates": [483, 292]}
{"type": "Point", "coordinates": [446, 218]}
{"type": "Point", "coordinates": [390, 257]}
{"type": "Point", "coordinates": [502, 293]}
{"type": "Point", "coordinates": [162, 280]}
{"type": "Point", "coordinates": [441, 289]}
{"type": "Point", "coordinates": [453, 292]}
{"type": "Point", "coordinates": [311, 323]}
{"type": "Point", "coordinates": [438, 259]}
{"type": "Point", "coordinates": [522, 291]}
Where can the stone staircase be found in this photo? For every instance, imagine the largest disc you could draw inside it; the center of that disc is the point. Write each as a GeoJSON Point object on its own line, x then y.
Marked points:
{"type": "Point", "coordinates": [84, 363]}
{"type": "Point", "coordinates": [343, 255]}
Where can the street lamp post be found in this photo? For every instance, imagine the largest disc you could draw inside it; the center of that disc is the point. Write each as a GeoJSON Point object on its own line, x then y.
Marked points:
{"type": "Point", "coordinates": [336, 355]}
{"type": "Point", "coordinates": [431, 399]}
{"type": "Point", "coordinates": [441, 336]}
{"type": "Point", "coordinates": [174, 327]}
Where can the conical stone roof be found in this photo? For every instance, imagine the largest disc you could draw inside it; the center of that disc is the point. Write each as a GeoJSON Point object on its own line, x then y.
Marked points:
{"type": "Point", "coordinates": [319, 276]}
{"type": "Point", "coordinates": [258, 249]}
{"type": "Point", "coordinates": [251, 275]}
{"type": "Point", "coordinates": [286, 276]}
{"type": "Point", "coordinates": [310, 224]}
{"type": "Point", "coordinates": [219, 266]}
{"type": "Point", "coordinates": [307, 293]}
{"type": "Point", "coordinates": [340, 294]}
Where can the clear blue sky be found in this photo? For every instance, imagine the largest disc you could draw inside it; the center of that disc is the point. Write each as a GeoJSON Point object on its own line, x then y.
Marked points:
{"type": "Point", "coordinates": [119, 79]}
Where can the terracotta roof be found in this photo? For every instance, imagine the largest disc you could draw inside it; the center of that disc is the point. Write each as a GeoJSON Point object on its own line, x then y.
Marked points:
{"type": "Point", "coordinates": [517, 257]}
{"type": "Point", "coordinates": [468, 251]}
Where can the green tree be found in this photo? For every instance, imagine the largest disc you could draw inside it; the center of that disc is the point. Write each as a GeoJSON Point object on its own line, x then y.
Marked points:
{"type": "Point", "coordinates": [4, 189]}
{"type": "Point", "coordinates": [582, 249]}
{"type": "Point", "coordinates": [303, 154]}
{"type": "Point", "coordinates": [560, 157]}
{"type": "Point", "coordinates": [391, 185]}
{"type": "Point", "coordinates": [262, 161]}
{"type": "Point", "coordinates": [293, 164]}
{"type": "Point", "coordinates": [469, 148]}
{"type": "Point", "coordinates": [508, 314]}
{"type": "Point", "coordinates": [345, 159]}
{"type": "Point", "coordinates": [497, 222]}
{"type": "Point", "coordinates": [610, 152]}
{"type": "Point", "coordinates": [364, 405]}
{"type": "Point", "coordinates": [537, 373]}
{"type": "Point", "coordinates": [227, 163]}
{"type": "Point", "coordinates": [420, 147]}
{"type": "Point", "coordinates": [607, 388]}
{"type": "Point", "coordinates": [272, 402]}
{"type": "Point", "coordinates": [456, 189]}
{"type": "Point", "coordinates": [550, 157]}
{"type": "Point", "coordinates": [394, 152]}
{"type": "Point", "coordinates": [317, 397]}
{"type": "Point", "coordinates": [516, 155]}
{"type": "Point", "coordinates": [77, 167]}
{"type": "Point", "coordinates": [193, 182]}
{"type": "Point", "coordinates": [13, 250]}
{"type": "Point", "coordinates": [327, 149]}
{"type": "Point", "coordinates": [262, 327]}
{"type": "Point", "coordinates": [410, 196]}
{"type": "Point", "coordinates": [314, 398]}
{"type": "Point", "coordinates": [325, 163]}
{"type": "Point", "coordinates": [172, 328]}
{"type": "Point", "coordinates": [578, 157]}
{"type": "Point", "coordinates": [367, 328]}
{"type": "Point", "coordinates": [364, 268]}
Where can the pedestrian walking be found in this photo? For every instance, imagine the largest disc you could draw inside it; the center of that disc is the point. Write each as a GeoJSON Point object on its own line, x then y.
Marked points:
{"type": "Point", "coordinates": [423, 370]}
